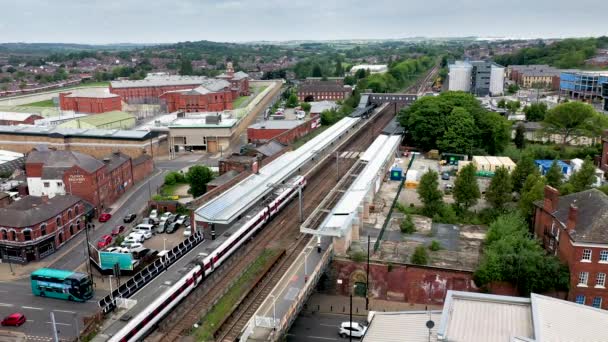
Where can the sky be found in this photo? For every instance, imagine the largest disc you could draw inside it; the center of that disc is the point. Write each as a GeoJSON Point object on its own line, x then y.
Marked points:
{"type": "Point", "coordinates": [166, 21]}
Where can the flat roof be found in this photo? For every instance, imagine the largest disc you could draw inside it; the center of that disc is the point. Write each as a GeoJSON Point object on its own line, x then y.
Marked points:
{"type": "Point", "coordinates": [277, 124]}
{"type": "Point", "coordinates": [92, 93]}
{"type": "Point", "coordinates": [402, 326]}
{"type": "Point", "coordinates": [16, 116]}
{"type": "Point", "coordinates": [159, 81]}
{"type": "Point", "coordinates": [79, 132]}
{"type": "Point", "coordinates": [236, 200]}
{"type": "Point", "coordinates": [104, 118]}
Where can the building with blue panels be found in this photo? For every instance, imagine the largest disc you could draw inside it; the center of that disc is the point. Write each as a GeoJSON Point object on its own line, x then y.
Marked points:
{"type": "Point", "coordinates": [583, 85]}
{"type": "Point", "coordinates": [545, 164]}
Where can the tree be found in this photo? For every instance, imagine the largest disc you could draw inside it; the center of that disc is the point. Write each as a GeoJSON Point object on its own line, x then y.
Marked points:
{"type": "Point", "coordinates": [512, 88]}
{"type": "Point", "coordinates": [520, 138]}
{"type": "Point", "coordinates": [185, 67]}
{"type": "Point", "coordinates": [305, 106]}
{"type": "Point", "coordinates": [536, 111]}
{"type": "Point", "coordinates": [198, 176]}
{"type": "Point", "coordinates": [574, 119]}
{"type": "Point", "coordinates": [407, 225]}
{"type": "Point", "coordinates": [292, 101]}
{"type": "Point", "coordinates": [339, 69]}
{"type": "Point", "coordinates": [460, 135]}
{"type": "Point", "coordinates": [466, 189]}
{"type": "Point", "coordinates": [429, 193]}
{"type": "Point", "coordinates": [554, 175]}
{"type": "Point", "coordinates": [360, 74]}
{"type": "Point", "coordinates": [502, 103]}
{"type": "Point", "coordinates": [513, 106]}
{"type": "Point", "coordinates": [420, 256]}
{"type": "Point", "coordinates": [510, 255]}
{"type": "Point", "coordinates": [525, 166]}
{"type": "Point", "coordinates": [316, 71]}
{"type": "Point", "coordinates": [499, 192]}
{"type": "Point", "coordinates": [584, 178]}
{"type": "Point", "coordinates": [532, 191]}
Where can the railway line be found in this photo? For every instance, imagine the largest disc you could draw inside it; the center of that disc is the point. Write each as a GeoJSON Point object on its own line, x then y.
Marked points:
{"type": "Point", "coordinates": [282, 230]}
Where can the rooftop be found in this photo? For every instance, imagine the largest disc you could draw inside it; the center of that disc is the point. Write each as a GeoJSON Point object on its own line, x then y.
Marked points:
{"type": "Point", "coordinates": [92, 93]}
{"type": "Point", "coordinates": [319, 107]}
{"type": "Point", "coordinates": [75, 132]}
{"type": "Point", "coordinates": [31, 210]}
{"type": "Point", "coordinates": [277, 124]}
{"type": "Point", "coordinates": [207, 86]}
{"type": "Point", "coordinates": [322, 86]}
{"type": "Point", "coordinates": [15, 116]}
{"type": "Point", "coordinates": [63, 159]}
{"type": "Point", "coordinates": [411, 327]}
{"type": "Point", "coordinates": [592, 219]}
{"type": "Point", "coordinates": [60, 118]}
{"type": "Point", "coordinates": [116, 159]}
{"type": "Point", "coordinates": [159, 81]}
{"type": "Point", "coordinates": [223, 179]}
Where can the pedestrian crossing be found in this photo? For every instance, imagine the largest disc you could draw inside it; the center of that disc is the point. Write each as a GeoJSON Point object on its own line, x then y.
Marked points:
{"type": "Point", "coordinates": [43, 338]}
{"type": "Point", "coordinates": [350, 154]}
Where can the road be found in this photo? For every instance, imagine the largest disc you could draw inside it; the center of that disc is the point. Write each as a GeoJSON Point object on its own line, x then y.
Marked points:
{"type": "Point", "coordinates": [17, 296]}
{"type": "Point", "coordinates": [317, 327]}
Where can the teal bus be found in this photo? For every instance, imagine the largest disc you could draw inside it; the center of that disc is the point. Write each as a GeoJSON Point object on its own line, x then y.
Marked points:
{"type": "Point", "coordinates": [61, 284]}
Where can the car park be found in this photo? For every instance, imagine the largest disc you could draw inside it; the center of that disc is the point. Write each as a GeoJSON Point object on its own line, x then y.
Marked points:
{"type": "Point", "coordinates": [154, 214]}
{"type": "Point", "coordinates": [105, 217]}
{"type": "Point", "coordinates": [145, 229]}
{"type": "Point", "coordinates": [187, 231]}
{"type": "Point", "coordinates": [16, 319]}
{"type": "Point", "coordinates": [148, 220]}
{"type": "Point", "coordinates": [445, 176]}
{"type": "Point", "coordinates": [181, 219]}
{"type": "Point", "coordinates": [117, 250]}
{"type": "Point", "coordinates": [104, 241]}
{"type": "Point", "coordinates": [172, 218]}
{"type": "Point", "coordinates": [134, 237]}
{"type": "Point", "coordinates": [161, 227]}
{"type": "Point", "coordinates": [165, 216]}
{"type": "Point", "coordinates": [129, 218]}
{"type": "Point", "coordinates": [353, 329]}
{"type": "Point", "coordinates": [135, 246]}
{"type": "Point", "coordinates": [118, 230]}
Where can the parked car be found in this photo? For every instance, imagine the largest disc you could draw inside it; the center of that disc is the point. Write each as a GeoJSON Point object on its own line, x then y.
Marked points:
{"type": "Point", "coordinates": [146, 229]}
{"type": "Point", "coordinates": [129, 218]}
{"type": "Point", "coordinates": [148, 220]}
{"type": "Point", "coordinates": [161, 227]}
{"type": "Point", "coordinates": [353, 329]}
{"type": "Point", "coordinates": [445, 176]}
{"type": "Point", "coordinates": [15, 319]}
{"type": "Point", "coordinates": [135, 246]}
{"type": "Point", "coordinates": [118, 250]}
{"type": "Point", "coordinates": [172, 218]}
{"type": "Point", "coordinates": [134, 237]}
{"type": "Point", "coordinates": [104, 241]}
{"type": "Point", "coordinates": [187, 231]}
{"type": "Point", "coordinates": [181, 219]}
{"type": "Point", "coordinates": [165, 216]}
{"type": "Point", "coordinates": [153, 214]}
{"type": "Point", "coordinates": [118, 230]}
{"type": "Point", "coordinates": [172, 228]}
{"type": "Point", "coordinates": [105, 217]}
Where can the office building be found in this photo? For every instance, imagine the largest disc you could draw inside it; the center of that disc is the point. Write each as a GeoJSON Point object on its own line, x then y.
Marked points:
{"type": "Point", "coordinates": [584, 85]}
{"type": "Point", "coordinates": [481, 78]}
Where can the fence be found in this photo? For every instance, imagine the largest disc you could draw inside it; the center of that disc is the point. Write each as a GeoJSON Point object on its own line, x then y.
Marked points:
{"type": "Point", "coordinates": [143, 277]}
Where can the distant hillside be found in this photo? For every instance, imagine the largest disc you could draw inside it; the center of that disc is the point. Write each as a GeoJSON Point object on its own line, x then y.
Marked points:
{"type": "Point", "coordinates": [48, 48]}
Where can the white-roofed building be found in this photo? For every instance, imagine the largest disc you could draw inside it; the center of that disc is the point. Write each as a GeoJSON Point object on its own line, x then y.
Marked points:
{"type": "Point", "coordinates": [411, 326]}
{"type": "Point", "coordinates": [316, 108]}
{"type": "Point", "coordinates": [16, 118]}
{"type": "Point", "coordinates": [373, 68]}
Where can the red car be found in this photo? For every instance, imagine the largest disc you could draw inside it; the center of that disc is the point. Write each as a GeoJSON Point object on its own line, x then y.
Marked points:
{"type": "Point", "coordinates": [15, 319]}
{"type": "Point", "coordinates": [105, 217]}
{"type": "Point", "coordinates": [104, 241]}
{"type": "Point", "coordinates": [118, 230]}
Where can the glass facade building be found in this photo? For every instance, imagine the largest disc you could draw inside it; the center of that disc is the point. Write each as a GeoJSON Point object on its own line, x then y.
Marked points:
{"type": "Point", "coordinates": [584, 85]}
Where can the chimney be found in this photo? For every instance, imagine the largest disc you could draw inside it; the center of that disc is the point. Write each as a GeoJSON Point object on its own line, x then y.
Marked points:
{"type": "Point", "coordinates": [572, 216]}
{"type": "Point", "coordinates": [45, 198]}
{"type": "Point", "coordinates": [106, 160]}
{"type": "Point", "coordinates": [551, 199]}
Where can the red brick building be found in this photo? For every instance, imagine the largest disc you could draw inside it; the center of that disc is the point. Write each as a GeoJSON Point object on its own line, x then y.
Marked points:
{"type": "Point", "coordinates": [143, 166]}
{"type": "Point", "coordinates": [100, 183]}
{"type": "Point", "coordinates": [575, 229]}
{"type": "Point", "coordinates": [238, 80]}
{"type": "Point", "coordinates": [283, 131]}
{"type": "Point", "coordinates": [15, 118]}
{"type": "Point", "coordinates": [211, 96]}
{"type": "Point", "coordinates": [604, 160]}
{"type": "Point", "coordinates": [35, 227]}
{"type": "Point", "coordinates": [152, 87]}
{"type": "Point", "coordinates": [322, 90]}
{"type": "Point", "coordinates": [90, 102]}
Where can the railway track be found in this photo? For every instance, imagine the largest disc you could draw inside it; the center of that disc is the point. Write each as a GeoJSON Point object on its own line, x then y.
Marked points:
{"type": "Point", "coordinates": [282, 230]}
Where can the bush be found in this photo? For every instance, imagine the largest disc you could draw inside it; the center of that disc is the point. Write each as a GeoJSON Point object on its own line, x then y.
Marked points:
{"type": "Point", "coordinates": [446, 215]}
{"type": "Point", "coordinates": [420, 256]}
{"type": "Point", "coordinates": [407, 225]}
{"type": "Point", "coordinates": [119, 239]}
{"type": "Point", "coordinates": [174, 177]}
{"type": "Point", "coordinates": [435, 246]}
{"type": "Point", "coordinates": [358, 256]}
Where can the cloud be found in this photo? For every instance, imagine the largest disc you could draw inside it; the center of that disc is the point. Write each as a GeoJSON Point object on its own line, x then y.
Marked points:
{"type": "Point", "coordinates": [90, 21]}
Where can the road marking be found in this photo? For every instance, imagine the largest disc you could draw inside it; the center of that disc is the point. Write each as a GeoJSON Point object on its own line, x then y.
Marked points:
{"type": "Point", "coordinates": [323, 338]}
{"type": "Point", "coordinates": [328, 325]}
{"type": "Point", "coordinates": [66, 311]}
{"type": "Point", "coordinates": [4, 304]}
{"type": "Point", "coordinates": [31, 308]}
{"type": "Point", "coordinates": [57, 323]}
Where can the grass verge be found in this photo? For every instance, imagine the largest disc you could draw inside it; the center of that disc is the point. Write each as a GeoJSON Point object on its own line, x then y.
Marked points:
{"type": "Point", "coordinates": [225, 305]}
{"type": "Point", "coordinates": [296, 144]}
{"type": "Point", "coordinates": [45, 103]}
{"type": "Point", "coordinates": [238, 103]}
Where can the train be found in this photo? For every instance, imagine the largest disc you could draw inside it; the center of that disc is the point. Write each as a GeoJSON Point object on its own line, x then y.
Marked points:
{"type": "Point", "coordinates": [140, 325]}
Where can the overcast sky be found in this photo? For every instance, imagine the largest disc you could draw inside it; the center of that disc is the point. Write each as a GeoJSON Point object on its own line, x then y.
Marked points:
{"type": "Point", "coordinates": [162, 21]}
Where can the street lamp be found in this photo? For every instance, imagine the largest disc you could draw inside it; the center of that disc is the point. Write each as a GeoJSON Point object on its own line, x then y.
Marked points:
{"type": "Point", "coordinates": [350, 333]}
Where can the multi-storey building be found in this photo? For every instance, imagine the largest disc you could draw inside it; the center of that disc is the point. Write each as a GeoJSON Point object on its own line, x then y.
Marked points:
{"type": "Point", "coordinates": [575, 229]}
{"type": "Point", "coordinates": [322, 90]}
{"type": "Point", "coordinates": [90, 102]}
{"type": "Point", "coordinates": [239, 81]}
{"type": "Point", "coordinates": [34, 227]}
{"type": "Point", "coordinates": [459, 77]}
{"type": "Point", "coordinates": [101, 183]}
{"type": "Point", "coordinates": [583, 85]}
{"type": "Point", "coordinates": [212, 95]}
{"type": "Point", "coordinates": [480, 78]}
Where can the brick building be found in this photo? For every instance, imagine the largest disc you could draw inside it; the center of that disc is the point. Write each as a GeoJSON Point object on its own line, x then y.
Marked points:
{"type": "Point", "coordinates": [90, 102]}
{"type": "Point", "coordinates": [575, 229]}
{"type": "Point", "coordinates": [283, 131]}
{"type": "Point", "coordinates": [210, 96]}
{"type": "Point", "coordinates": [322, 90]}
{"type": "Point", "coordinates": [143, 166]}
{"type": "Point", "coordinates": [238, 80]}
{"type": "Point", "coordinates": [34, 227]}
{"type": "Point", "coordinates": [99, 182]}
{"type": "Point", "coordinates": [153, 86]}
{"type": "Point", "coordinates": [13, 118]}
{"type": "Point", "coordinates": [604, 160]}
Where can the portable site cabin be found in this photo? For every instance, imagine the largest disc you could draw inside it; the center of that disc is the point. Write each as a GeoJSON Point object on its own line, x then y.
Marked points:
{"type": "Point", "coordinates": [507, 163]}
{"type": "Point", "coordinates": [481, 163]}
{"type": "Point", "coordinates": [411, 179]}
